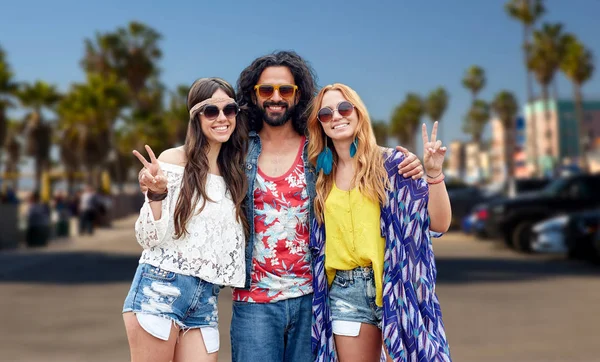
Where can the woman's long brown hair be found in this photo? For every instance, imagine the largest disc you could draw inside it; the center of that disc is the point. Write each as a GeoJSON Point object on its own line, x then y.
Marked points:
{"type": "Point", "coordinates": [230, 160]}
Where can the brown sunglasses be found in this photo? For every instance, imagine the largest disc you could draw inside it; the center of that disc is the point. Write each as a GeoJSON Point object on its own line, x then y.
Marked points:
{"type": "Point", "coordinates": [344, 108]}
{"type": "Point", "coordinates": [287, 91]}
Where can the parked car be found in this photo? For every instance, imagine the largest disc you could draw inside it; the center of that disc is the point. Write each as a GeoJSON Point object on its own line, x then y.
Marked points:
{"type": "Point", "coordinates": [596, 246]}
{"type": "Point", "coordinates": [474, 223]}
{"type": "Point", "coordinates": [576, 235]}
{"type": "Point", "coordinates": [513, 219]}
{"type": "Point", "coordinates": [465, 198]}
{"type": "Point", "coordinates": [581, 234]}
{"type": "Point", "coordinates": [549, 236]}
{"type": "Point", "coordinates": [462, 201]}
{"type": "Point", "coordinates": [497, 192]}
{"type": "Point", "coordinates": [514, 187]}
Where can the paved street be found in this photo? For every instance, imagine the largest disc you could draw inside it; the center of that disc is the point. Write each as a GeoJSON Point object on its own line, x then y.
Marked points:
{"type": "Point", "coordinates": [63, 303]}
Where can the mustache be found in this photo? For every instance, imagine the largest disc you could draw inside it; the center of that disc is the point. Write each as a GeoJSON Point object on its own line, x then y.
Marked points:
{"type": "Point", "coordinates": [276, 104]}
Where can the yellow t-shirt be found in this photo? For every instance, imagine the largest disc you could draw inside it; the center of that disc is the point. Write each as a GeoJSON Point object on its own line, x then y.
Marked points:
{"type": "Point", "coordinates": [353, 235]}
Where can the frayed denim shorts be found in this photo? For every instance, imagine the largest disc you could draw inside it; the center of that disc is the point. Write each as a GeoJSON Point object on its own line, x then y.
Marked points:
{"type": "Point", "coordinates": [352, 299]}
{"type": "Point", "coordinates": [187, 301]}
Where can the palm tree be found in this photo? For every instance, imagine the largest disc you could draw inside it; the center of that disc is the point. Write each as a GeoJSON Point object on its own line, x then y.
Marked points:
{"type": "Point", "coordinates": [102, 55]}
{"type": "Point", "coordinates": [402, 126]}
{"type": "Point", "coordinates": [474, 124]}
{"type": "Point", "coordinates": [527, 12]}
{"type": "Point", "coordinates": [88, 114]}
{"type": "Point", "coordinates": [547, 51]}
{"type": "Point", "coordinates": [151, 118]}
{"type": "Point", "coordinates": [474, 80]}
{"type": "Point", "coordinates": [476, 120]}
{"type": "Point", "coordinates": [380, 129]}
{"type": "Point", "coordinates": [131, 53]}
{"type": "Point", "coordinates": [36, 97]}
{"type": "Point", "coordinates": [13, 151]}
{"type": "Point", "coordinates": [406, 120]}
{"type": "Point", "coordinates": [436, 105]}
{"type": "Point", "coordinates": [578, 65]}
{"type": "Point", "coordinates": [7, 90]}
{"type": "Point", "coordinates": [505, 106]}
{"type": "Point", "coordinates": [142, 52]}
{"type": "Point", "coordinates": [177, 115]}
{"type": "Point", "coordinates": [70, 155]}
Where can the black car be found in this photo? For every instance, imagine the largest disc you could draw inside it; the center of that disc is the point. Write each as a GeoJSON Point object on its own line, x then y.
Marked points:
{"type": "Point", "coordinates": [465, 199]}
{"type": "Point", "coordinates": [581, 235]}
{"type": "Point", "coordinates": [512, 219]}
{"type": "Point", "coordinates": [508, 190]}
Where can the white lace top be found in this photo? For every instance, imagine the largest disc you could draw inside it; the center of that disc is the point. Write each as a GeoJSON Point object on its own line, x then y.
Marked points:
{"type": "Point", "coordinates": [213, 248]}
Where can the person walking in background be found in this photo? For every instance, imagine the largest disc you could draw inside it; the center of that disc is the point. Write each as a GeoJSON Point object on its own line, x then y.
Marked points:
{"type": "Point", "coordinates": [87, 210]}
{"type": "Point", "coordinates": [38, 222]}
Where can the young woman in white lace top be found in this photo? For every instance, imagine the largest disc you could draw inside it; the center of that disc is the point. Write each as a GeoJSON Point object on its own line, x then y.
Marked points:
{"type": "Point", "coordinates": [192, 229]}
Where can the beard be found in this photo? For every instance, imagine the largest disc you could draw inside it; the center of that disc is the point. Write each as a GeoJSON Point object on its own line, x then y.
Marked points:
{"type": "Point", "coordinates": [278, 120]}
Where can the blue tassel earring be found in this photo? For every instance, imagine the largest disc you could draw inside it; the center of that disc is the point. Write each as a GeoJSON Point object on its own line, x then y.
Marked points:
{"type": "Point", "coordinates": [353, 147]}
{"type": "Point", "coordinates": [325, 160]}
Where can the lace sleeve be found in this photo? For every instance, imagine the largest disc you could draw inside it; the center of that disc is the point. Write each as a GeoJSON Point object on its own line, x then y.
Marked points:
{"type": "Point", "coordinates": [150, 232]}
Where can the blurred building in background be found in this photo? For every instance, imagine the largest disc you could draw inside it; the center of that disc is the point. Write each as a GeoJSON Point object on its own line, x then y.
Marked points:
{"type": "Point", "coordinates": [477, 163]}
{"type": "Point", "coordinates": [497, 151]}
{"type": "Point", "coordinates": [557, 130]}
{"type": "Point", "coordinates": [469, 163]}
{"type": "Point", "coordinates": [456, 160]}
{"type": "Point", "coordinates": [498, 167]}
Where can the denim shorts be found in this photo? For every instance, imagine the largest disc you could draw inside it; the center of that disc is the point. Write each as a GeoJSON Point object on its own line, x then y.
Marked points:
{"type": "Point", "coordinates": [188, 301]}
{"type": "Point", "coordinates": [352, 299]}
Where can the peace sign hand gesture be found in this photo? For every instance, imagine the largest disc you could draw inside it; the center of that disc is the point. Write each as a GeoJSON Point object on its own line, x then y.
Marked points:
{"type": "Point", "coordinates": [433, 152]}
{"type": "Point", "coordinates": [152, 177]}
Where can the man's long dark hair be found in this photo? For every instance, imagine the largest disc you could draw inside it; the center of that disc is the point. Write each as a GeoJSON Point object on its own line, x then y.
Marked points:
{"type": "Point", "coordinates": [304, 77]}
{"type": "Point", "coordinates": [230, 160]}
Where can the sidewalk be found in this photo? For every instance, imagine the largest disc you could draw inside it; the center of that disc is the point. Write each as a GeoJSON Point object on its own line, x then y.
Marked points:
{"type": "Point", "coordinates": [104, 239]}
{"type": "Point", "coordinates": [63, 302]}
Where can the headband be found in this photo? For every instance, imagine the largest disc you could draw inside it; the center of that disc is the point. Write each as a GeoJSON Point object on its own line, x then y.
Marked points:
{"type": "Point", "coordinates": [206, 101]}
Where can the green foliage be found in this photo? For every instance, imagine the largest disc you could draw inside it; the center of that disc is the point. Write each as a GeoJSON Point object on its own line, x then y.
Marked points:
{"type": "Point", "coordinates": [505, 106]}
{"type": "Point", "coordinates": [406, 119]}
{"type": "Point", "coordinates": [7, 90]}
{"type": "Point", "coordinates": [474, 79]}
{"type": "Point", "coordinates": [38, 95]}
{"type": "Point", "coordinates": [547, 52]}
{"type": "Point", "coordinates": [476, 119]}
{"type": "Point", "coordinates": [577, 62]}
{"type": "Point", "coordinates": [436, 104]}
{"type": "Point", "coordinates": [525, 11]}
{"type": "Point", "coordinates": [177, 115]}
{"type": "Point", "coordinates": [380, 129]}
{"type": "Point", "coordinates": [87, 114]}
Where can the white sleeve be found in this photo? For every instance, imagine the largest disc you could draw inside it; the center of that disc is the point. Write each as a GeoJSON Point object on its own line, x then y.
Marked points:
{"type": "Point", "coordinates": [150, 232]}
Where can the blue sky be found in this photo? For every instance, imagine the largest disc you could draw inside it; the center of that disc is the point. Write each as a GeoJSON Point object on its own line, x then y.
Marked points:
{"type": "Point", "coordinates": [383, 49]}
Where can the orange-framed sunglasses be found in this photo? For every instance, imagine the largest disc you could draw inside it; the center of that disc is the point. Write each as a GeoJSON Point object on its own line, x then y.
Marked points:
{"type": "Point", "coordinates": [287, 91]}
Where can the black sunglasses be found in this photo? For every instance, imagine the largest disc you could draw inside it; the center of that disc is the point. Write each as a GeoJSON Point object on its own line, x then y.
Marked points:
{"type": "Point", "coordinates": [211, 112]}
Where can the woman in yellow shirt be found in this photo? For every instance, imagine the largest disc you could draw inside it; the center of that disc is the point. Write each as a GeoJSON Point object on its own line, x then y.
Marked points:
{"type": "Point", "coordinates": [352, 189]}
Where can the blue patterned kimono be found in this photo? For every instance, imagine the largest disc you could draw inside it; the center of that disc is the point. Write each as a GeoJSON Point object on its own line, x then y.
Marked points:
{"type": "Point", "coordinates": [412, 319]}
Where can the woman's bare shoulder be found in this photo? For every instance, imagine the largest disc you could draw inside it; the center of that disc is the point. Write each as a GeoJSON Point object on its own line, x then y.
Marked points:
{"type": "Point", "coordinates": [174, 156]}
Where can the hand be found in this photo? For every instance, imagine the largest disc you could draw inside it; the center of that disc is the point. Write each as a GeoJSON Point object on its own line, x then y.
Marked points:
{"type": "Point", "coordinates": [141, 178]}
{"type": "Point", "coordinates": [433, 152]}
{"type": "Point", "coordinates": [151, 177]}
{"type": "Point", "coordinates": [411, 165]}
